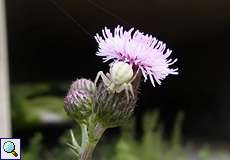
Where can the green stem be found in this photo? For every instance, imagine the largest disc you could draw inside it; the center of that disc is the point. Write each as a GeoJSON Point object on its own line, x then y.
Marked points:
{"type": "Point", "coordinates": [94, 137]}
{"type": "Point", "coordinates": [87, 153]}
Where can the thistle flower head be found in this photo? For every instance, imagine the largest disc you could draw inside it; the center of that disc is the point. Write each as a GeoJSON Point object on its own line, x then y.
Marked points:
{"type": "Point", "coordinates": [143, 51]}
{"type": "Point", "coordinates": [113, 109]}
{"type": "Point", "coordinates": [79, 97]}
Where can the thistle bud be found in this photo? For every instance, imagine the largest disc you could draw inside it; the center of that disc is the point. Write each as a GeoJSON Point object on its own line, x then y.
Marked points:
{"type": "Point", "coordinates": [113, 109]}
{"type": "Point", "coordinates": [80, 98]}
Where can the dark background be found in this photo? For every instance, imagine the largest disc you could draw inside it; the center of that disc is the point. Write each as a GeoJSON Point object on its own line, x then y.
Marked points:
{"type": "Point", "coordinates": [47, 46]}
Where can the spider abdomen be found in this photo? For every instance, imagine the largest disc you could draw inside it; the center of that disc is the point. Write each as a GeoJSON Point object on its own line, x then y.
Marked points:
{"type": "Point", "coordinates": [121, 72]}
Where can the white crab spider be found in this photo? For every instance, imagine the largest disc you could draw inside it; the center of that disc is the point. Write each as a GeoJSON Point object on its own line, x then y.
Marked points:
{"type": "Point", "coordinates": [119, 78]}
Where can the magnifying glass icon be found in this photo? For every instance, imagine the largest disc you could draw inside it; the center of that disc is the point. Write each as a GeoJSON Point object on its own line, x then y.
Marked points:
{"type": "Point", "coordinates": [9, 147]}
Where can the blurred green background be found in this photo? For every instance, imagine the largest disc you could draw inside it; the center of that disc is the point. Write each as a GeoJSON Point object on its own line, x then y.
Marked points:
{"type": "Point", "coordinates": [39, 119]}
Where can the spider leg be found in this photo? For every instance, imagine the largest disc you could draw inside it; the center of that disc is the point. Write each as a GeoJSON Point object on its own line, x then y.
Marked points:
{"type": "Point", "coordinates": [125, 87]}
{"type": "Point", "coordinates": [120, 88]}
{"type": "Point", "coordinates": [108, 75]}
{"type": "Point", "coordinates": [130, 88]}
{"type": "Point", "coordinates": [105, 79]}
{"type": "Point", "coordinates": [134, 77]}
{"type": "Point", "coordinates": [127, 92]}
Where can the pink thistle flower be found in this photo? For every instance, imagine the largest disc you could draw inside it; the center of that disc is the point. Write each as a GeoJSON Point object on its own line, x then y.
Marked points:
{"type": "Point", "coordinates": [141, 50]}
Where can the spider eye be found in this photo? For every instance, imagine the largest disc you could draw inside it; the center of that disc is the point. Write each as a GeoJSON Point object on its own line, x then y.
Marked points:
{"type": "Point", "coordinates": [121, 72]}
